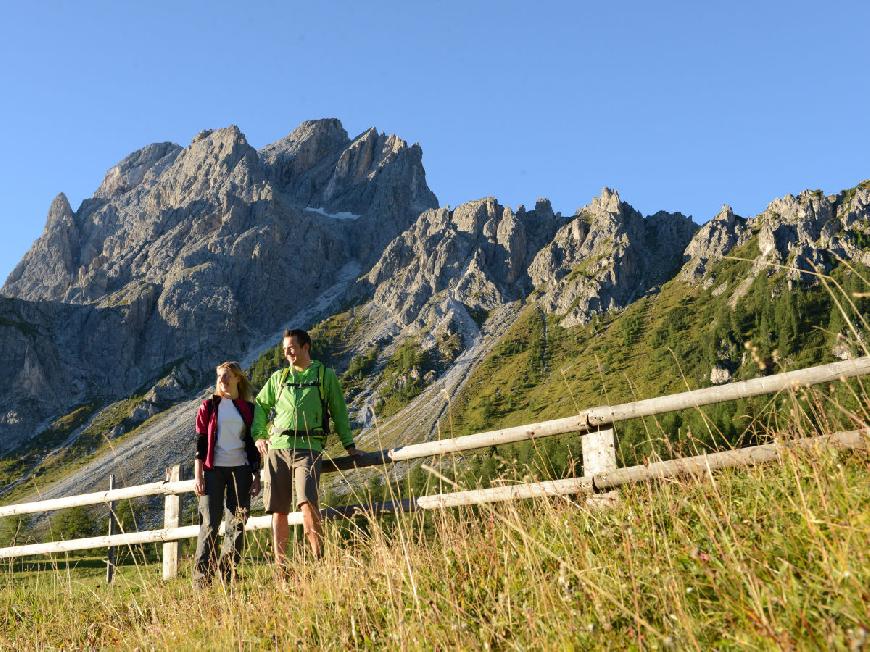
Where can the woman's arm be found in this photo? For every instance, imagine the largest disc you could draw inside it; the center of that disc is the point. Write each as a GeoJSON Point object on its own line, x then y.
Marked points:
{"type": "Point", "coordinates": [198, 479]}
{"type": "Point", "coordinates": [201, 428]}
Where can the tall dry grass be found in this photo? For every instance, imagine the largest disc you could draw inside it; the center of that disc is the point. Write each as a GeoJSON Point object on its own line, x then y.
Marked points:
{"type": "Point", "coordinates": [774, 557]}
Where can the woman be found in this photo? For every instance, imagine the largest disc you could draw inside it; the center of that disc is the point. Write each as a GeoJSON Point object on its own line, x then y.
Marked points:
{"type": "Point", "coordinates": [226, 472]}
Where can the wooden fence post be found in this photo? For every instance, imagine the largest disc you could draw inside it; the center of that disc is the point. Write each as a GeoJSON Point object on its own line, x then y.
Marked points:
{"type": "Point", "coordinates": [171, 511]}
{"type": "Point", "coordinates": [599, 456]}
{"type": "Point", "coordinates": [110, 561]}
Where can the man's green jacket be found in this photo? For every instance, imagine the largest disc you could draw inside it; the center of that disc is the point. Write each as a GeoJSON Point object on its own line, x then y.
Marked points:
{"type": "Point", "coordinates": [298, 412]}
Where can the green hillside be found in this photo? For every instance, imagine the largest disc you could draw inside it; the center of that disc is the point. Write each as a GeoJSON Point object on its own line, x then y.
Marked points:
{"type": "Point", "coordinates": [661, 344]}
{"type": "Point", "coordinates": [749, 321]}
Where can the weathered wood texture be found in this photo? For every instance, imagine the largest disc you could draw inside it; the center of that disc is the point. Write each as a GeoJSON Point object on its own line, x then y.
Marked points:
{"type": "Point", "coordinates": [110, 553]}
{"type": "Point", "coordinates": [507, 493]}
{"type": "Point", "coordinates": [150, 489]}
{"type": "Point", "coordinates": [604, 415]}
{"type": "Point", "coordinates": [131, 538]}
{"type": "Point", "coordinates": [599, 456]}
{"type": "Point", "coordinates": [599, 452]}
{"type": "Point", "coordinates": [171, 519]}
{"type": "Point", "coordinates": [128, 539]}
{"type": "Point", "coordinates": [704, 464]}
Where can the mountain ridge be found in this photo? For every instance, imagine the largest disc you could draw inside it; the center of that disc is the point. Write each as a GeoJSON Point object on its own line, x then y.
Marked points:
{"type": "Point", "coordinates": [184, 242]}
{"type": "Point", "coordinates": [219, 238]}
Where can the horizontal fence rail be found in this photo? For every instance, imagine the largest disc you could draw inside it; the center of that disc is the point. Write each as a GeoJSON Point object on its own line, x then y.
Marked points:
{"type": "Point", "coordinates": [697, 465]}
{"type": "Point", "coordinates": [749, 456]}
{"type": "Point", "coordinates": [580, 423]}
{"type": "Point", "coordinates": [605, 415]}
{"type": "Point", "coordinates": [602, 475]}
{"type": "Point", "coordinates": [150, 489]}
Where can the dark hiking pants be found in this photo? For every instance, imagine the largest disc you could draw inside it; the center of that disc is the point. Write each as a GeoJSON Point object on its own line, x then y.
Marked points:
{"type": "Point", "coordinates": [227, 495]}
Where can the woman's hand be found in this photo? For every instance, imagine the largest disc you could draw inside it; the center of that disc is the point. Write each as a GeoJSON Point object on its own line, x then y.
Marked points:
{"type": "Point", "coordinates": [263, 446]}
{"type": "Point", "coordinates": [255, 484]}
{"type": "Point", "coordinates": [198, 482]}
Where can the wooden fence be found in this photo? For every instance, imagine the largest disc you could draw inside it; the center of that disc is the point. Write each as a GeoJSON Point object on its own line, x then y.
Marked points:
{"type": "Point", "coordinates": [601, 474]}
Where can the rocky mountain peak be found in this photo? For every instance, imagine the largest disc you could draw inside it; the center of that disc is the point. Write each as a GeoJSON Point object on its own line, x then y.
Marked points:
{"type": "Point", "coordinates": [725, 214]}
{"type": "Point", "coordinates": [224, 147]}
{"type": "Point", "coordinates": [394, 144]}
{"type": "Point", "coordinates": [543, 207]}
{"type": "Point", "coordinates": [471, 216]}
{"type": "Point", "coordinates": [324, 130]}
{"type": "Point", "coordinates": [306, 146]}
{"type": "Point", "coordinates": [806, 230]}
{"type": "Point", "coordinates": [853, 207]}
{"type": "Point", "coordinates": [606, 256]}
{"type": "Point", "coordinates": [609, 217]}
{"type": "Point", "coordinates": [713, 241]}
{"type": "Point", "coordinates": [163, 200]}
{"type": "Point", "coordinates": [364, 157]}
{"type": "Point", "coordinates": [375, 180]}
{"type": "Point", "coordinates": [608, 201]}
{"type": "Point", "coordinates": [474, 257]}
{"type": "Point", "coordinates": [56, 251]}
{"type": "Point", "coordinates": [60, 213]}
{"type": "Point", "coordinates": [216, 162]}
{"type": "Point", "coordinates": [142, 166]}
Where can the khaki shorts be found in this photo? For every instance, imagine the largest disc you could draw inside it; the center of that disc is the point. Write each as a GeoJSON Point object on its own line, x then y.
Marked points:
{"type": "Point", "coordinates": [286, 469]}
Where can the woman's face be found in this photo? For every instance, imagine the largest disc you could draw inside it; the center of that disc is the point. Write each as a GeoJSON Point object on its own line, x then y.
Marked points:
{"type": "Point", "coordinates": [227, 382]}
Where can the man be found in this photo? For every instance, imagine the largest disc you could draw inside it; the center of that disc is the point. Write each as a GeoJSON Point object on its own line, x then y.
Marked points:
{"type": "Point", "coordinates": [292, 448]}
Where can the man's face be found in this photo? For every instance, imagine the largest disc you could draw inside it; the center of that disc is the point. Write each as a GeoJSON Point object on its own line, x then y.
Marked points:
{"type": "Point", "coordinates": [293, 351]}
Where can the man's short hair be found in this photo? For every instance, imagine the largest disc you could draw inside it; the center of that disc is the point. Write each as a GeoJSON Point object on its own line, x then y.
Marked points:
{"type": "Point", "coordinates": [301, 336]}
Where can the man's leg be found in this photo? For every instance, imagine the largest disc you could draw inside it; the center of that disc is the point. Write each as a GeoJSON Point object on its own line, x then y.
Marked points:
{"type": "Point", "coordinates": [306, 476]}
{"type": "Point", "coordinates": [313, 528]}
{"type": "Point", "coordinates": [280, 534]}
{"type": "Point", "coordinates": [277, 500]}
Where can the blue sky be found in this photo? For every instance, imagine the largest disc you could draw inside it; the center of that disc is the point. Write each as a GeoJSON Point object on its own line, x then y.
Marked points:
{"type": "Point", "coordinates": [680, 106]}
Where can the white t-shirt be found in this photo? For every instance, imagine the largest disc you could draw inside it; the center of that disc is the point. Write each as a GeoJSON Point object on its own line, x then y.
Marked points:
{"type": "Point", "coordinates": [229, 446]}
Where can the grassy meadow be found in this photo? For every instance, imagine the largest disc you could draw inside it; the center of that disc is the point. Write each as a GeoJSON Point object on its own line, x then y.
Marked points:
{"type": "Point", "coordinates": [774, 557]}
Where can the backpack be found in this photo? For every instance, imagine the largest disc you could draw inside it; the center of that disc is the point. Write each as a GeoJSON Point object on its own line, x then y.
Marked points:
{"type": "Point", "coordinates": [324, 405]}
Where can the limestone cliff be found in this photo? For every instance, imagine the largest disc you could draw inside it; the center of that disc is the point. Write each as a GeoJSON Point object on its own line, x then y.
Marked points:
{"type": "Point", "coordinates": [607, 256]}
{"type": "Point", "coordinates": [198, 252]}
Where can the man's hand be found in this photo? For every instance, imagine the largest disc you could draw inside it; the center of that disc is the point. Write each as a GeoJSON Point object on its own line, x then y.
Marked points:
{"type": "Point", "coordinates": [263, 446]}
{"type": "Point", "coordinates": [255, 484]}
{"type": "Point", "coordinates": [352, 451]}
{"type": "Point", "coordinates": [199, 486]}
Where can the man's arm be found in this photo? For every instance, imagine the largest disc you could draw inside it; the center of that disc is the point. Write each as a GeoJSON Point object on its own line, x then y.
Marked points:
{"type": "Point", "coordinates": [338, 409]}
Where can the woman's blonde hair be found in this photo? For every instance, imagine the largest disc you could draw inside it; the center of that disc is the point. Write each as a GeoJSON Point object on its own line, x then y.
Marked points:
{"type": "Point", "coordinates": [246, 392]}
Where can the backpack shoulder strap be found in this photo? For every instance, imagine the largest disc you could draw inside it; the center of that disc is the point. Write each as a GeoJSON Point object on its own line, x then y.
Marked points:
{"type": "Point", "coordinates": [320, 374]}
{"type": "Point", "coordinates": [281, 380]}
{"type": "Point", "coordinates": [324, 404]}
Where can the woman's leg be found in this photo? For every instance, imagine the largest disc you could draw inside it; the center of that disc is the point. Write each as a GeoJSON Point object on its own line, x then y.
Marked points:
{"type": "Point", "coordinates": [238, 508]}
{"type": "Point", "coordinates": [211, 508]}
